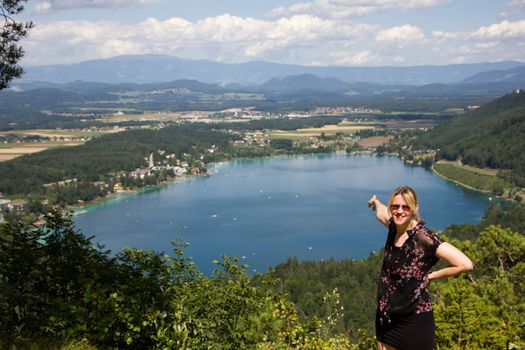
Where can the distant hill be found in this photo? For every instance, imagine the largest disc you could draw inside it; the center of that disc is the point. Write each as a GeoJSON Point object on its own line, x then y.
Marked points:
{"type": "Point", "coordinates": [304, 82]}
{"type": "Point", "coordinates": [27, 102]}
{"type": "Point", "coordinates": [162, 68]}
{"type": "Point", "coordinates": [492, 136]}
{"type": "Point", "coordinates": [513, 75]}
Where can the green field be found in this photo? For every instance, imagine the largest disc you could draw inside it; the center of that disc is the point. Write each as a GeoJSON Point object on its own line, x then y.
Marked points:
{"type": "Point", "coordinates": [472, 179]}
{"type": "Point", "coordinates": [345, 128]}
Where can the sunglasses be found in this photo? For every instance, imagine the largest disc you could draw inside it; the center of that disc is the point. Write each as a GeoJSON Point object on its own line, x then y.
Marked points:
{"type": "Point", "coordinates": [395, 207]}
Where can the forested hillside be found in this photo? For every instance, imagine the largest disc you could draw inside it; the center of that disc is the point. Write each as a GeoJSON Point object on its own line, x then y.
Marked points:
{"type": "Point", "coordinates": [492, 136]}
{"type": "Point", "coordinates": [103, 156]}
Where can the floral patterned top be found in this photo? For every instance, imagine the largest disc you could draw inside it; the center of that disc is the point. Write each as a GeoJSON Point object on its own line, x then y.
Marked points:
{"type": "Point", "coordinates": [403, 281]}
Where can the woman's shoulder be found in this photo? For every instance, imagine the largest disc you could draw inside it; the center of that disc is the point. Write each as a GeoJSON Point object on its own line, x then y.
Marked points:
{"type": "Point", "coordinates": [425, 235]}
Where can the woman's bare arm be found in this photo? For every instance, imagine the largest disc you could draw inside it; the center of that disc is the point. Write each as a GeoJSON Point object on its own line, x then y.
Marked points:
{"type": "Point", "coordinates": [382, 213]}
{"type": "Point", "coordinates": [458, 261]}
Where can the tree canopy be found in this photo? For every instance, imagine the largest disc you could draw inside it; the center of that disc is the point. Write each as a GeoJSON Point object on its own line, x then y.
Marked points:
{"type": "Point", "coordinates": [57, 286]}
{"type": "Point", "coordinates": [491, 136]}
{"type": "Point", "coordinates": [12, 31]}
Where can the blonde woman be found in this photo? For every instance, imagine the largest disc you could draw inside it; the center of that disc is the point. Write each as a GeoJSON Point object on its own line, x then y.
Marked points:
{"type": "Point", "coordinates": [404, 318]}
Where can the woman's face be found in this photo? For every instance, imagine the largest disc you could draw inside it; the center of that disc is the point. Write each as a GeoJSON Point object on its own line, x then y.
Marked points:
{"type": "Point", "coordinates": [401, 212]}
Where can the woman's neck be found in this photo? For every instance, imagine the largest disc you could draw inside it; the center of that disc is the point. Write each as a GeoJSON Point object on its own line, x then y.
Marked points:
{"type": "Point", "coordinates": [402, 229]}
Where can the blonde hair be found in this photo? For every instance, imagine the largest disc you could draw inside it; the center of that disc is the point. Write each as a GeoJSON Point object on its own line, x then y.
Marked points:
{"type": "Point", "coordinates": [410, 197]}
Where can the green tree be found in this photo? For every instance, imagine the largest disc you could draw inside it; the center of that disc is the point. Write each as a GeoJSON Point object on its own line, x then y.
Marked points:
{"type": "Point", "coordinates": [12, 31]}
{"type": "Point", "coordinates": [485, 311]}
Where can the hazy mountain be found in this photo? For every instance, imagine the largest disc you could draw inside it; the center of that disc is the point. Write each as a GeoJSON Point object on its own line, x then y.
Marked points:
{"type": "Point", "coordinates": [513, 75]}
{"type": "Point", "coordinates": [304, 82]}
{"type": "Point", "coordinates": [300, 91]}
{"type": "Point", "coordinates": [161, 68]}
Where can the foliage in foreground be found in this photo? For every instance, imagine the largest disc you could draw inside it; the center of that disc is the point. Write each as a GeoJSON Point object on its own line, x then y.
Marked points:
{"type": "Point", "coordinates": [482, 310]}
{"type": "Point", "coordinates": [58, 290]}
{"type": "Point", "coordinates": [56, 286]}
{"type": "Point", "coordinates": [11, 33]}
{"type": "Point", "coordinates": [487, 310]}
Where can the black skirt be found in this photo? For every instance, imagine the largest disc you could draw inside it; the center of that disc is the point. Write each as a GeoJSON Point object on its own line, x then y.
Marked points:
{"type": "Point", "coordinates": [407, 332]}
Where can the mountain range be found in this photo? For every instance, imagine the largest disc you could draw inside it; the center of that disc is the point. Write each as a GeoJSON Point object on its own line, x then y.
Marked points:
{"type": "Point", "coordinates": [104, 86]}
{"type": "Point", "coordinates": [142, 69]}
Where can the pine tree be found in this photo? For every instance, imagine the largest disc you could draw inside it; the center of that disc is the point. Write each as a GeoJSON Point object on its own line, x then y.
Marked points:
{"type": "Point", "coordinates": [11, 33]}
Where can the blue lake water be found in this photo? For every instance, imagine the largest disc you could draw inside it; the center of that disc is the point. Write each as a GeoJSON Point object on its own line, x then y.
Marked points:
{"type": "Point", "coordinates": [268, 209]}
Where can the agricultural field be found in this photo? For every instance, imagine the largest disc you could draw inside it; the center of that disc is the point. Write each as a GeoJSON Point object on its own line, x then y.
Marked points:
{"type": "Point", "coordinates": [408, 124]}
{"type": "Point", "coordinates": [12, 150]}
{"type": "Point", "coordinates": [344, 127]}
{"type": "Point", "coordinates": [374, 141]}
{"type": "Point", "coordinates": [394, 124]}
{"type": "Point", "coordinates": [61, 133]}
{"type": "Point", "coordinates": [46, 138]}
{"type": "Point", "coordinates": [155, 116]}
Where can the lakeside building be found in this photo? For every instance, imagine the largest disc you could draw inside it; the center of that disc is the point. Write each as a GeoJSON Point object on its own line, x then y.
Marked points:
{"type": "Point", "coordinates": [6, 204]}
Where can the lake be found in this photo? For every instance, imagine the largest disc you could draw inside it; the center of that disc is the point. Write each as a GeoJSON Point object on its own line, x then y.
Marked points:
{"type": "Point", "coordinates": [268, 209]}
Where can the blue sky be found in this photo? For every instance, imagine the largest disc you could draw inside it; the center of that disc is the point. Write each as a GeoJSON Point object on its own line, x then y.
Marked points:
{"type": "Point", "coordinates": [316, 32]}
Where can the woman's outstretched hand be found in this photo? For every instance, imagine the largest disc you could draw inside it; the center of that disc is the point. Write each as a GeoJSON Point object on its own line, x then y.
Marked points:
{"type": "Point", "coordinates": [372, 202]}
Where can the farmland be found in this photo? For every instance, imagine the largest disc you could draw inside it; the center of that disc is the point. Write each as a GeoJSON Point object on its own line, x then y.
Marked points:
{"type": "Point", "coordinates": [19, 142]}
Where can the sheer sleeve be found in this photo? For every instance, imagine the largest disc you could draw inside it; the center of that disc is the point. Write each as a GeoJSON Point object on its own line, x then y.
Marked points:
{"type": "Point", "coordinates": [427, 241]}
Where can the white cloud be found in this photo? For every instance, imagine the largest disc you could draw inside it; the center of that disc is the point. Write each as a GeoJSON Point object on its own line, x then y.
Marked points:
{"type": "Point", "coordinates": [362, 58]}
{"type": "Point", "coordinates": [399, 59]}
{"type": "Point", "coordinates": [442, 36]}
{"type": "Point", "coordinates": [496, 42]}
{"type": "Point", "coordinates": [71, 41]}
{"type": "Point", "coordinates": [505, 30]}
{"type": "Point", "coordinates": [401, 34]}
{"type": "Point", "coordinates": [518, 3]}
{"type": "Point", "coordinates": [300, 39]}
{"type": "Point", "coordinates": [340, 9]}
{"type": "Point", "coordinates": [43, 6]}
{"type": "Point", "coordinates": [487, 46]}
{"type": "Point", "coordinates": [502, 30]}
{"type": "Point", "coordinates": [226, 37]}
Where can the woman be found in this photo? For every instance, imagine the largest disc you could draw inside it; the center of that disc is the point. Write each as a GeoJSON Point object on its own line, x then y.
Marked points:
{"type": "Point", "coordinates": [404, 318]}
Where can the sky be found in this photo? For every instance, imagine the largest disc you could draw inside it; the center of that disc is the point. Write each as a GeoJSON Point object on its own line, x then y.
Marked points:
{"type": "Point", "coordinates": [304, 32]}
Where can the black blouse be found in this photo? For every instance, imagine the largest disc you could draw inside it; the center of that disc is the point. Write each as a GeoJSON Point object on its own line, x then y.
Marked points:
{"type": "Point", "coordinates": [403, 281]}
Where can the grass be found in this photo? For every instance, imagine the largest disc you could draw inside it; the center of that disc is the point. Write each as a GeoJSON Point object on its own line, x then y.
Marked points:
{"type": "Point", "coordinates": [483, 171]}
{"type": "Point", "coordinates": [350, 123]}
{"type": "Point", "coordinates": [162, 117]}
{"type": "Point", "coordinates": [66, 133]}
{"type": "Point", "coordinates": [472, 179]}
{"type": "Point", "coordinates": [343, 127]}
{"type": "Point", "coordinates": [288, 135]}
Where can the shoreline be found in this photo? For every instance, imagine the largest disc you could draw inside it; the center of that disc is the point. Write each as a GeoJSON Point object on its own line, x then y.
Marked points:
{"type": "Point", "coordinates": [122, 194]}
{"type": "Point", "coordinates": [458, 182]}
{"type": "Point", "coordinates": [117, 196]}
{"type": "Point", "coordinates": [80, 209]}
{"type": "Point", "coordinates": [171, 221]}
{"type": "Point", "coordinates": [487, 192]}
